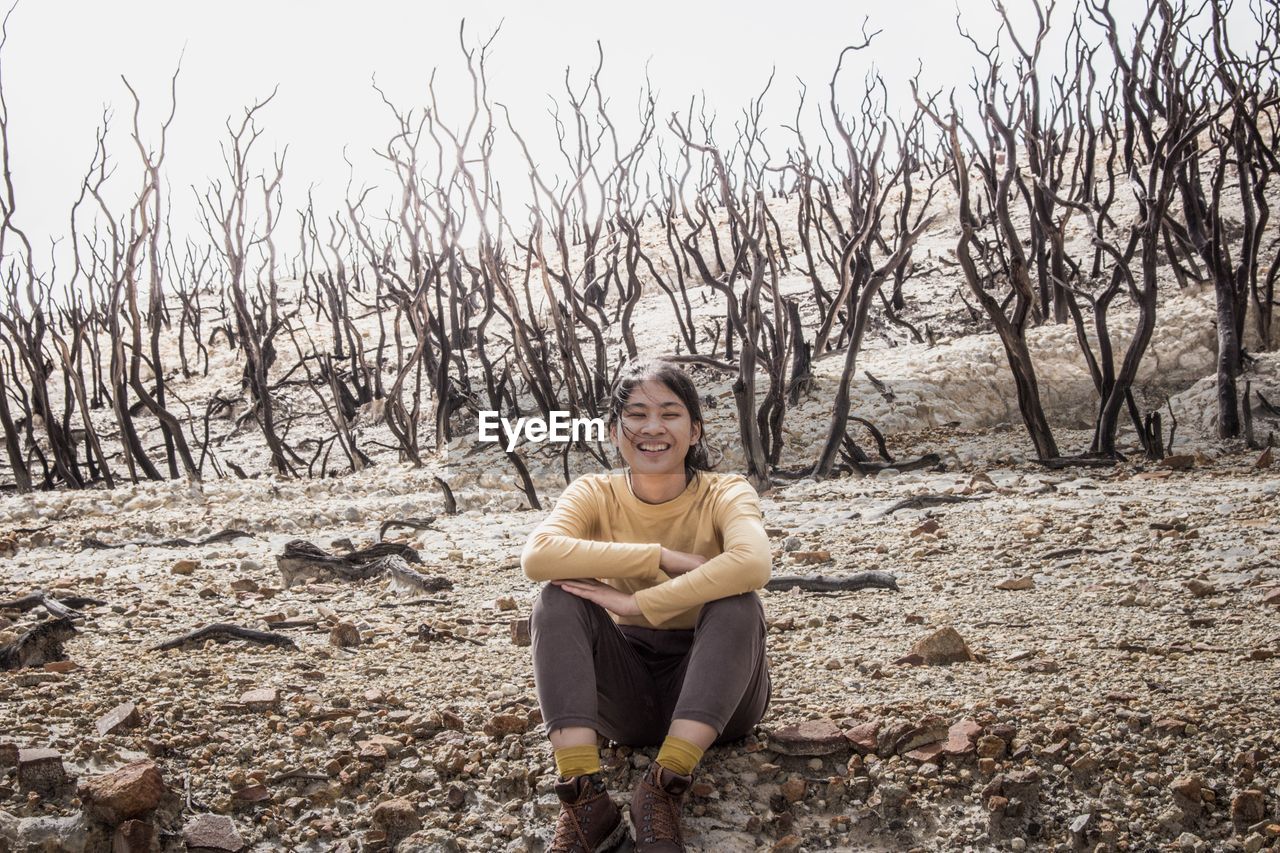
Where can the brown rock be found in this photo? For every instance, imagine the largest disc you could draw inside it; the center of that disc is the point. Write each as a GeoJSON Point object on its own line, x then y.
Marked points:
{"type": "Point", "coordinates": [932, 731]}
{"type": "Point", "coordinates": [962, 737]}
{"type": "Point", "coordinates": [244, 585]}
{"type": "Point", "coordinates": [1178, 462]}
{"type": "Point", "coordinates": [864, 736]}
{"type": "Point", "coordinates": [1186, 794]}
{"type": "Point", "coordinates": [132, 836]}
{"type": "Point", "coordinates": [40, 770]}
{"type": "Point", "coordinates": [184, 567]}
{"type": "Point", "coordinates": [793, 790]}
{"type": "Point", "coordinates": [1199, 588]}
{"type": "Point", "coordinates": [344, 635]}
{"type": "Point", "coordinates": [255, 793]}
{"type": "Point", "coordinates": [811, 557]}
{"type": "Point", "coordinates": [943, 646]}
{"type": "Point", "coordinates": [8, 754]}
{"type": "Point", "coordinates": [397, 818]}
{"type": "Point", "coordinates": [1272, 597]}
{"type": "Point", "coordinates": [211, 833]}
{"type": "Point", "coordinates": [928, 752]}
{"type": "Point", "coordinates": [120, 718]}
{"type": "Point", "coordinates": [506, 724]}
{"type": "Point", "coordinates": [504, 603]}
{"type": "Point", "coordinates": [1016, 584]}
{"type": "Point", "coordinates": [990, 746]}
{"type": "Point", "coordinates": [520, 632]}
{"type": "Point", "coordinates": [260, 699]}
{"type": "Point", "coordinates": [61, 666]}
{"type": "Point", "coordinates": [1248, 807]}
{"type": "Point", "coordinates": [812, 737]}
{"type": "Point", "coordinates": [1265, 460]}
{"type": "Point", "coordinates": [787, 844]}
{"type": "Point", "coordinates": [929, 526]}
{"type": "Point", "coordinates": [130, 792]}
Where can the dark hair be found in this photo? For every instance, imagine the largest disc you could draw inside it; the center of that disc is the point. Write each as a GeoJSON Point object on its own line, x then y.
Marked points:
{"type": "Point", "coordinates": [678, 382]}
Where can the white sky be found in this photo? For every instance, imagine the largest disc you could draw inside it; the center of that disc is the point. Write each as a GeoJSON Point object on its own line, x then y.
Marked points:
{"type": "Point", "coordinates": [64, 60]}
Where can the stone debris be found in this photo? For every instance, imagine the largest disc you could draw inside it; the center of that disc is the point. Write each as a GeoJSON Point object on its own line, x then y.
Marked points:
{"type": "Point", "coordinates": [40, 770]}
{"type": "Point", "coordinates": [809, 738]}
{"type": "Point", "coordinates": [943, 646]}
{"type": "Point", "coordinates": [121, 718]}
{"type": "Point", "coordinates": [212, 833]}
{"type": "Point", "coordinates": [125, 794]}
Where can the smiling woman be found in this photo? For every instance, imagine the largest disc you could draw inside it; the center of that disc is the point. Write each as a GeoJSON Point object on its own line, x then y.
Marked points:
{"type": "Point", "coordinates": [650, 630]}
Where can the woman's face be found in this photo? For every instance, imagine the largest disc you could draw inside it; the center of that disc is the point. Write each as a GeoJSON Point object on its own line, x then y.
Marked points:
{"type": "Point", "coordinates": [654, 431]}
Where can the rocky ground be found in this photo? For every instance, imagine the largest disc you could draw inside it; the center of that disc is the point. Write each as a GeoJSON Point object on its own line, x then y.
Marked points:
{"type": "Point", "coordinates": [1114, 683]}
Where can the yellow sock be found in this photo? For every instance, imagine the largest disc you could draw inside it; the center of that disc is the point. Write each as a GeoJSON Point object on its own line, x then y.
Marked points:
{"type": "Point", "coordinates": [679, 755]}
{"type": "Point", "coordinates": [577, 760]}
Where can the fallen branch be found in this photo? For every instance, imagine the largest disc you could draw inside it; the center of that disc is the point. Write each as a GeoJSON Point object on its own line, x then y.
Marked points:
{"type": "Point", "coordinates": [925, 501]}
{"type": "Point", "coordinates": [57, 608]}
{"type": "Point", "coordinates": [302, 560]}
{"type": "Point", "coordinates": [833, 583]}
{"type": "Point", "coordinates": [220, 536]}
{"type": "Point", "coordinates": [40, 645]}
{"type": "Point", "coordinates": [412, 523]}
{"type": "Point", "coordinates": [223, 632]}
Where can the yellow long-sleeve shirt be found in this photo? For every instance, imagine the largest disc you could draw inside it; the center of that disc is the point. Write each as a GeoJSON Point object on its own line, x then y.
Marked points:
{"type": "Point", "coordinates": [599, 529]}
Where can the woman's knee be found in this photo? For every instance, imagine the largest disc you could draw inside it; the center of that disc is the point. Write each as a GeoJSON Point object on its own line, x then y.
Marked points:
{"type": "Point", "coordinates": [554, 604]}
{"type": "Point", "coordinates": [740, 611]}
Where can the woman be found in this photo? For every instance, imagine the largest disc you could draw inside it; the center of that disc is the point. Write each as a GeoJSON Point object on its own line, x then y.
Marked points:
{"type": "Point", "coordinates": [649, 631]}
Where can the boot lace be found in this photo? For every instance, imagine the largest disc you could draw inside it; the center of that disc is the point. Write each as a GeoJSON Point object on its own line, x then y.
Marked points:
{"type": "Point", "coordinates": [661, 816]}
{"type": "Point", "coordinates": [569, 836]}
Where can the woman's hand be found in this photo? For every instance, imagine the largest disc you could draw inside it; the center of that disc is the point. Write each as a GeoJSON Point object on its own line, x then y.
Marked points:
{"type": "Point", "coordinates": [614, 600]}
{"type": "Point", "coordinates": [678, 562]}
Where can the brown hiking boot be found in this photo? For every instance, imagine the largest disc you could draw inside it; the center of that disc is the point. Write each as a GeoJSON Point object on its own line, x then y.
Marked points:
{"type": "Point", "coordinates": [590, 821]}
{"type": "Point", "coordinates": [655, 810]}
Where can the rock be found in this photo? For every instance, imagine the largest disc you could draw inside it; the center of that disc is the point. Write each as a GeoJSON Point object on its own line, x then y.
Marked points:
{"type": "Point", "coordinates": [211, 833]}
{"type": "Point", "coordinates": [247, 565]}
{"type": "Point", "coordinates": [130, 792]}
{"type": "Point", "coordinates": [506, 724]}
{"type": "Point", "coordinates": [244, 585]}
{"type": "Point", "coordinates": [456, 797]}
{"type": "Point", "coordinates": [505, 603]}
{"type": "Point", "coordinates": [812, 737]}
{"type": "Point", "coordinates": [930, 526]}
{"type": "Point", "coordinates": [8, 754]}
{"type": "Point", "coordinates": [1178, 462]}
{"type": "Point", "coordinates": [184, 567]}
{"type": "Point", "coordinates": [1265, 460]}
{"type": "Point", "coordinates": [120, 718]}
{"type": "Point", "coordinates": [793, 789]}
{"type": "Point", "coordinates": [1272, 597]}
{"type": "Point", "coordinates": [260, 699]}
{"type": "Point", "coordinates": [40, 770]}
{"type": "Point", "coordinates": [255, 793]}
{"type": "Point", "coordinates": [1247, 806]}
{"type": "Point", "coordinates": [520, 632]}
{"type": "Point", "coordinates": [1199, 588]}
{"type": "Point", "coordinates": [864, 736]}
{"type": "Point", "coordinates": [787, 844]}
{"type": "Point", "coordinates": [344, 635]}
{"type": "Point", "coordinates": [1016, 584]}
{"type": "Point", "coordinates": [61, 666]}
{"type": "Point", "coordinates": [962, 737]}
{"type": "Point", "coordinates": [1186, 795]}
{"type": "Point", "coordinates": [811, 557]}
{"type": "Point", "coordinates": [132, 836]}
{"type": "Point", "coordinates": [944, 646]}
{"type": "Point", "coordinates": [397, 818]}
{"type": "Point", "coordinates": [990, 746]}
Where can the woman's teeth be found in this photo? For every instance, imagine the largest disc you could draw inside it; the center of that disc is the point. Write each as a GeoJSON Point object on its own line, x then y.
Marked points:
{"type": "Point", "coordinates": [648, 447]}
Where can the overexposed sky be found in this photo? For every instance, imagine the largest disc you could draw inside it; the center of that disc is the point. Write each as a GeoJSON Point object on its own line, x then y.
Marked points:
{"type": "Point", "coordinates": [64, 60]}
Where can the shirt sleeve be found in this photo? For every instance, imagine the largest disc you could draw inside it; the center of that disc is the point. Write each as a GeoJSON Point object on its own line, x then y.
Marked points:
{"type": "Point", "coordinates": [560, 548]}
{"type": "Point", "coordinates": [744, 565]}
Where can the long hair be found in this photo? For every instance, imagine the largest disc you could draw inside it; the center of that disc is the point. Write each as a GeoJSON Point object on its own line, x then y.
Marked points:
{"type": "Point", "coordinates": [678, 382]}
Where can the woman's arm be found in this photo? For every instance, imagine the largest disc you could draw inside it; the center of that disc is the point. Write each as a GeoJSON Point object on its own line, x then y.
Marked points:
{"type": "Point", "coordinates": [743, 566]}
{"type": "Point", "coordinates": [559, 549]}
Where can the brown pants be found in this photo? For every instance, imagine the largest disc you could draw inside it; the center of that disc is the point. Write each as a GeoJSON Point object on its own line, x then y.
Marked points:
{"type": "Point", "coordinates": [629, 683]}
